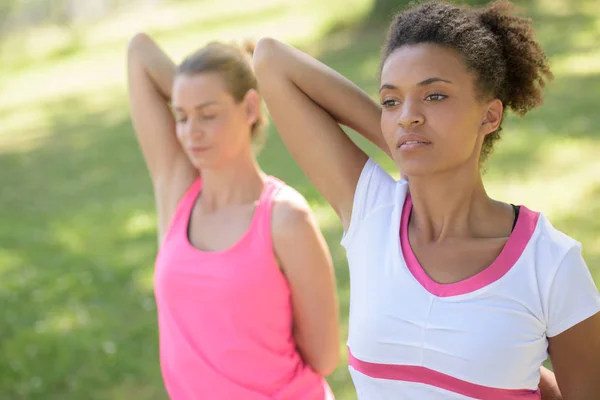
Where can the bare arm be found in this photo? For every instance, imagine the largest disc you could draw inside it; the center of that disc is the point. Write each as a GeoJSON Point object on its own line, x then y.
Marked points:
{"type": "Point", "coordinates": [548, 385]}
{"type": "Point", "coordinates": [307, 100]}
{"type": "Point", "coordinates": [150, 79]}
{"type": "Point", "coordinates": [575, 356]}
{"type": "Point", "coordinates": [305, 261]}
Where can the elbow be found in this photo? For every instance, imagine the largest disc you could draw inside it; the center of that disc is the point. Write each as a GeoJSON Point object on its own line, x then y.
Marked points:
{"type": "Point", "coordinates": [137, 42]}
{"type": "Point", "coordinates": [265, 53]}
{"type": "Point", "coordinates": [326, 367]}
{"type": "Point", "coordinates": [325, 363]}
{"type": "Point", "coordinates": [322, 356]}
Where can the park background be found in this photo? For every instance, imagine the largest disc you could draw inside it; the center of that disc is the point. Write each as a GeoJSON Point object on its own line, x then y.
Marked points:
{"type": "Point", "coordinates": [77, 220]}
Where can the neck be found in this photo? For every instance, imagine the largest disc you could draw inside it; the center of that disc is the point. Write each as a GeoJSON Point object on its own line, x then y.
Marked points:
{"type": "Point", "coordinates": [450, 204]}
{"type": "Point", "coordinates": [238, 181]}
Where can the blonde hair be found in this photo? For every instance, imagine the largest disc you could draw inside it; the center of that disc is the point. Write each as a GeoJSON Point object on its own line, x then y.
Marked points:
{"type": "Point", "coordinates": [234, 63]}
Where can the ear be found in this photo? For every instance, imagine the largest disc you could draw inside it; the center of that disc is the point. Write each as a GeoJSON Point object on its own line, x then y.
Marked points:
{"type": "Point", "coordinates": [252, 106]}
{"type": "Point", "coordinates": [492, 117]}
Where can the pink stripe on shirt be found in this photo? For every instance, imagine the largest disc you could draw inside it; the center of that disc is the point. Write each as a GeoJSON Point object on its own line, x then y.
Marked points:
{"type": "Point", "coordinates": [417, 374]}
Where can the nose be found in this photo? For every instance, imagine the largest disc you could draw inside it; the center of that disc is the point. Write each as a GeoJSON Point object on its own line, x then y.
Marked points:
{"type": "Point", "coordinates": [410, 115]}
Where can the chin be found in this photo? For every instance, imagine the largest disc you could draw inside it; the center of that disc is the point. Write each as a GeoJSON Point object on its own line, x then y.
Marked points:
{"type": "Point", "coordinates": [415, 168]}
{"type": "Point", "coordinates": [200, 163]}
{"type": "Point", "coordinates": [422, 168]}
{"type": "Point", "coordinates": [209, 162]}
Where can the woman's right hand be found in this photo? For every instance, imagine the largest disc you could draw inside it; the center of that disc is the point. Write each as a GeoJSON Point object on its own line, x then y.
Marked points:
{"type": "Point", "coordinates": [307, 100]}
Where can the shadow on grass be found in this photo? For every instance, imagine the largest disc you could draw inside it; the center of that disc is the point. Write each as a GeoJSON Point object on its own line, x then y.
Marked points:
{"type": "Point", "coordinates": [14, 58]}
{"type": "Point", "coordinates": [77, 317]}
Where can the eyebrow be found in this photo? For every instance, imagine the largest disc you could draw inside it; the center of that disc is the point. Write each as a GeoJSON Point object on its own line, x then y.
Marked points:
{"type": "Point", "coordinates": [426, 82]}
{"type": "Point", "coordinates": [198, 106]}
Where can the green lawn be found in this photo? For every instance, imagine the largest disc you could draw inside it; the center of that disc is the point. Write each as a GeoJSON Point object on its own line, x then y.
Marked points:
{"type": "Point", "coordinates": [77, 239]}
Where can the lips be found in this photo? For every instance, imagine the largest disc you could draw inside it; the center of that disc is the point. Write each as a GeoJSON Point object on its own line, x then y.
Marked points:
{"type": "Point", "coordinates": [412, 141]}
{"type": "Point", "coordinates": [409, 142]}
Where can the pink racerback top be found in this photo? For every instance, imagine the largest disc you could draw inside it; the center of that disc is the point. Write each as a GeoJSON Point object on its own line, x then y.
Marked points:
{"type": "Point", "coordinates": [225, 317]}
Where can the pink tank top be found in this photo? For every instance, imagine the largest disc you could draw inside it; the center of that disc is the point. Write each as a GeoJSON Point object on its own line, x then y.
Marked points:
{"type": "Point", "coordinates": [225, 317]}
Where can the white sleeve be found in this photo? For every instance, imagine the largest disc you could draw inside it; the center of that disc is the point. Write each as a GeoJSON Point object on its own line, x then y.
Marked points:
{"type": "Point", "coordinates": [375, 188]}
{"type": "Point", "coordinates": [573, 296]}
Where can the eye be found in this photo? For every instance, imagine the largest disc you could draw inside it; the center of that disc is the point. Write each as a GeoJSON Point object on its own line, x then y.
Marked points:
{"type": "Point", "coordinates": [209, 117]}
{"type": "Point", "coordinates": [180, 119]}
{"type": "Point", "coordinates": [435, 97]}
{"type": "Point", "coordinates": [388, 103]}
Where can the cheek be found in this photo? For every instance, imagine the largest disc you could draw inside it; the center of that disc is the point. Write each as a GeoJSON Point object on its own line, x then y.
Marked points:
{"type": "Point", "coordinates": [221, 131]}
{"type": "Point", "coordinates": [220, 128]}
{"type": "Point", "coordinates": [457, 122]}
{"type": "Point", "coordinates": [388, 127]}
{"type": "Point", "coordinates": [179, 131]}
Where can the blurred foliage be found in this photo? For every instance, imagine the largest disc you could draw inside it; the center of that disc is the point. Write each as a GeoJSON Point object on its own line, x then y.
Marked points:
{"type": "Point", "coordinates": [20, 14]}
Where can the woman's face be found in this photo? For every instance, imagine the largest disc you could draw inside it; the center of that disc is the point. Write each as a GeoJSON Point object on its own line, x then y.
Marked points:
{"type": "Point", "coordinates": [211, 126]}
{"type": "Point", "coordinates": [432, 119]}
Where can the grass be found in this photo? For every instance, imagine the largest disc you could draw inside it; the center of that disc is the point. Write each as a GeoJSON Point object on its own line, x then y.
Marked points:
{"type": "Point", "coordinates": [77, 240]}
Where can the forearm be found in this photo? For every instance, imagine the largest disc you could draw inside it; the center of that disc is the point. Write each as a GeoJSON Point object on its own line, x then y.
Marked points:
{"type": "Point", "coordinates": [338, 96]}
{"type": "Point", "coordinates": [548, 385]}
{"type": "Point", "coordinates": [159, 68]}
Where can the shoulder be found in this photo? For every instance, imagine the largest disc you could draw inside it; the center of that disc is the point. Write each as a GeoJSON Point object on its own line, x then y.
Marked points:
{"type": "Point", "coordinates": [551, 243]}
{"type": "Point", "coordinates": [377, 193]}
{"type": "Point", "coordinates": [291, 212]}
{"type": "Point", "coordinates": [568, 291]}
{"type": "Point", "coordinates": [552, 253]}
{"type": "Point", "coordinates": [374, 171]}
{"type": "Point", "coordinates": [294, 230]}
{"type": "Point", "coordinates": [375, 187]}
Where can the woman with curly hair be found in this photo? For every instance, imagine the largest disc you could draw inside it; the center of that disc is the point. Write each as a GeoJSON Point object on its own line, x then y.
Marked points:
{"type": "Point", "coordinates": [454, 295]}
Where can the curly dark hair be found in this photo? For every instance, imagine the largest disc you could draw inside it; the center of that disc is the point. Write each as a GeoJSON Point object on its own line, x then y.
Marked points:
{"type": "Point", "coordinates": [496, 44]}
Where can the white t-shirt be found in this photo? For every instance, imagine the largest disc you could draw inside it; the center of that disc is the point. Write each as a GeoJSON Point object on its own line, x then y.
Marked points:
{"type": "Point", "coordinates": [481, 338]}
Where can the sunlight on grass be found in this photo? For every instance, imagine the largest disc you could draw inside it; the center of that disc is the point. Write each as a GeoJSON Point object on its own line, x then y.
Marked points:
{"type": "Point", "coordinates": [20, 123]}
{"type": "Point", "coordinates": [9, 261]}
{"type": "Point", "coordinates": [325, 215]}
{"type": "Point", "coordinates": [99, 67]}
{"type": "Point", "coordinates": [171, 16]}
{"type": "Point", "coordinates": [593, 246]}
{"type": "Point", "coordinates": [79, 76]}
{"type": "Point", "coordinates": [140, 223]}
{"type": "Point", "coordinates": [586, 63]}
{"type": "Point", "coordinates": [144, 279]}
{"type": "Point", "coordinates": [561, 7]}
{"type": "Point", "coordinates": [36, 44]}
{"type": "Point", "coordinates": [69, 236]}
{"type": "Point", "coordinates": [64, 321]}
{"type": "Point", "coordinates": [567, 172]}
{"type": "Point", "coordinates": [24, 127]}
{"type": "Point", "coordinates": [32, 45]}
